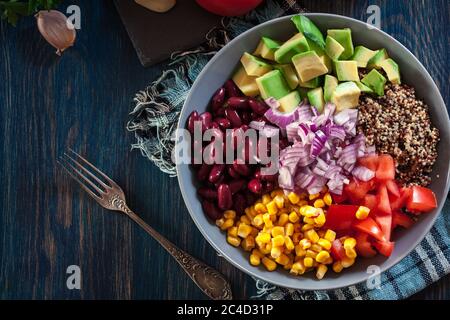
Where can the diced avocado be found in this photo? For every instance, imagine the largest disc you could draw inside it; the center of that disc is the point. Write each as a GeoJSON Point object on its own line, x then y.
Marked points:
{"type": "Point", "coordinates": [294, 45]}
{"type": "Point", "coordinates": [246, 83]}
{"type": "Point", "coordinates": [322, 55]}
{"type": "Point", "coordinates": [333, 48]}
{"type": "Point", "coordinates": [327, 62]}
{"type": "Point", "coordinates": [315, 97]}
{"type": "Point", "coordinates": [328, 88]}
{"type": "Point", "coordinates": [289, 102]}
{"type": "Point", "coordinates": [392, 71]}
{"type": "Point", "coordinates": [303, 92]}
{"type": "Point", "coordinates": [313, 83]}
{"type": "Point", "coordinates": [346, 95]}
{"type": "Point", "coordinates": [344, 37]}
{"type": "Point", "coordinates": [375, 81]}
{"type": "Point", "coordinates": [362, 55]}
{"type": "Point", "coordinates": [254, 66]}
{"type": "Point", "coordinates": [266, 48]}
{"type": "Point", "coordinates": [346, 70]}
{"type": "Point", "coordinates": [379, 57]}
{"type": "Point", "coordinates": [308, 65]}
{"type": "Point", "coordinates": [363, 87]}
{"type": "Point", "coordinates": [272, 84]}
{"type": "Point", "coordinates": [309, 29]}
{"type": "Point", "coordinates": [289, 74]}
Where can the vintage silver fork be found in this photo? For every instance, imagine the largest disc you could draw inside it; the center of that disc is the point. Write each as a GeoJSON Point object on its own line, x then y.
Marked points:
{"type": "Point", "coordinates": [110, 196]}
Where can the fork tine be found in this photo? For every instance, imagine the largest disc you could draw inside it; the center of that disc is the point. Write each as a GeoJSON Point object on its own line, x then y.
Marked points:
{"type": "Point", "coordinates": [81, 175]}
{"type": "Point", "coordinates": [87, 171]}
{"type": "Point", "coordinates": [108, 179]}
{"type": "Point", "coordinates": [89, 191]}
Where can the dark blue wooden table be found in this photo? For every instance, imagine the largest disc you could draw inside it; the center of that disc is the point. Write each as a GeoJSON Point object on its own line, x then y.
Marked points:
{"type": "Point", "coordinates": [82, 101]}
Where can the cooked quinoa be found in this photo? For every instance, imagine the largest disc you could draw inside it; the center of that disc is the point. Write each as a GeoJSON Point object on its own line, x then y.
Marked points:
{"type": "Point", "coordinates": [399, 124]}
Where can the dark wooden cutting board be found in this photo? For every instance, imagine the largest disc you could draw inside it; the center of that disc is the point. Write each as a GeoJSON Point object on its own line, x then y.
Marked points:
{"type": "Point", "coordinates": [156, 35]}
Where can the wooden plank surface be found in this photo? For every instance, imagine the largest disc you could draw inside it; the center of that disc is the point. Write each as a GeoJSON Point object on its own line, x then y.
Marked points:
{"type": "Point", "coordinates": [82, 101]}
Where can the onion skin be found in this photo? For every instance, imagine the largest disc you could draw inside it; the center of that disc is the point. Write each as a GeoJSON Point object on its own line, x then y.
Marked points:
{"type": "Point", "coordinates": [56, 29]}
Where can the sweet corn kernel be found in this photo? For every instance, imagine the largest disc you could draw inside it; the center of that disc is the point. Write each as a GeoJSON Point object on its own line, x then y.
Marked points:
{"type": "Point", "coordinates": [308, 220]}
{"type": "Point", "coordinates": [237, 224]}
{"type": "Point", "coordinates": [263, 237]}
{"type": "Point", "coordinates": [299, 251]}
{"type": "Point", "coordinates": [308, 211]}
{"type": "Point", "coordinates": [267, 220]}
{"type": "Point", "coordinates": [248, 243]}
{"type": "Point", "coordinates": [244, 230]}
{"type": "Point", "coordinates": [321, 270]}
{"type": "Point", "coordinates": [278, 241]}
{"type": "Point", "coordinates": [277, 192]}
{"type": "Point", "coordinates": [266, 198]}
{"type": "Point", "coordinates": [265, 248]}
{"type": "Point", "coordinates": [349, 243]}
{"type": "Point", "coordinates": [307, 227]}
{"type": "Point", "coordinates": [282, 259]}
{"type": "Point", "coordinates": [267, 229]}
{"type": "Point", "coordinates": [293, 217]}
{"type": "Point", "coordinates": [260, 208]}
{"type": "Point", "coordinates": [269, 264]}
{"type": "Point", "coordinates": [279, 201]}
{"type": "Point", "coordinates": [362, 212]}
{"type": "Point", "coordinates": [311, 254]}
{"type": "Point", "coordinates": [293, 198]}
{"type": "Point", "coordinates": [296, 237]}
{"type": "Point", "coordinates": [328, 261]}
{"type": "Point", "coordinates": [253, 212]}
{"type": "Point", "coordinates": [289, 229]}
{"type": "Point", "coordinates": [275, 252]}
{"type": "Point", "coordinates": [320, 220]}
{"type": "Point", "coordinates": [227, 224]}
{"type": "Point", "coordinates": [312, 235]}
{"type": "Point", "coordinates": [288, 243]}
{"type": "Point", "coordinates": [258, 253]}
{"type": "Point", "coordinates": [330, 235]}
{"type": "Point", "coordinates": [283, 219]}
{"type": "Point", "coordinates": [258, 220]}
{"type": "Point", "coordinates": [327, 199]}
{"type": "Point", "coordinates": [288, 266]}
{"type": "Point", "coordinates": [305, 244]}
{"type": "Point", "coordinates": [314, 196]}
{"type": "Point", "coordinates": [322, 256]}
{"type": "Point", "coordinates": [233, 231]}
{"type": "Point", "coordinates": [302, 203]}
{"type": "Point", "coordinates": [308, 262]}
{"type": "Point", "coordinates": [255, 260]}
{"type": "Point", "coordinates": [219, 222]}
{"type": "Point", "coordinates": [315, 247]}
{"type": "Point", "coordinates": [245, 220]}
{"type": "Point", "coordinates": [319, 203]}
{"type": "Point", "coordinates": [234, 241]}
{"type": "Point", "coordinates": [272, 207]}
{"type": "Point", "coordinates": [324, 243]}
{"type": "Point", "coordinates": [273, 217]}
{"type": "Point", "coordinates": [347, 262]}
{"type": "Point", "coordinates": [337, 266]}
{"type": "Point", "coordinates": [229, 214]}
{"type": "Point", "coordinates": [351, 253]}
{"type": "Point", "coordinates": [254, 232]}
{"type": "Point", "coordinates": [277, 231]}
{"type": "Point", "coordinates": [298, 268]}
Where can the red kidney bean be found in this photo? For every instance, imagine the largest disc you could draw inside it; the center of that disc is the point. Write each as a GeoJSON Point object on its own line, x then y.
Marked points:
{"type": "Point", "coordinates": [223, 123]}
{"type": "Point", "coordinates": [231, 89]}
{"type": "Point", "coordinates": [242, 169]}
{"type": "Point", "coordinates": [203, 172]}
{"type": "Point", "coordinates": [191, 120]}
{"type": "Point", "coordinates": [215, 125]}
{"type": "Point", "coordinates": [246, 118]}
{"type": "Point", "coordinates": [218, 99]}
{"type": "Point", "coordinates": [238, 102]}
{"type": "Point", "coordinates": [258, 107]}
{"type": "Point", "coordinates": [220, 181]}
{"type": "Point", "coordinates": [239, 203]}
{"type": "Point", "coordinates": [265, 177]}
{"type": "Point", "coordinates": [234, 118]}
{"type": "Point", "coordinates": [207, 193]}
{"type": "Point", "coordinates": [244, 127]}
{"type": "Point", "coordinates": [224, 198]}
{"type": "Point", "coordinates": [216, 173]}
{"type": "Point", "coordinates": [237, 185]}
{"type": "Point", "coordinates": [206, 119]}
{"type": "Point", "coordinates": [232, 173]}
{"type": "Point", "coordinates": [211, 210]}
{"type": "Point", "coordinates": [255, 186]}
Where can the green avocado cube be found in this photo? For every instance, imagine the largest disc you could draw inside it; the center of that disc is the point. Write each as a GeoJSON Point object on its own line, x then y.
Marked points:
{"type": "Point", "coordinates": [254, 66]}
{"type": "Point", "coordinates": [309, 65]}
{"type": "Point", "coordinates": [329, 86]}
{"type": "Point", "coordinates": [375, 81]}
{"type": "Point", "coordinates": [272, 84]}
{"type": "Point", "coordinates": [333, 48]}
{"type": "Point", "coordinates": [247, 84]}
{"type": "Point", "coordinates": [266, 48]}
{"type": "Point", "coordinates": [289, 102]}
{"type": "Point", "coordinates": [344, 37]}
{"type": "Point", "coordinates": [315, 97]}
{"type": "Point", "coordinates": [362, 55]}
{"type": "Point", "coordinates": [392, 71]}
{"type": "Point", "coordinates": [363, 87]}
{"type": "Point", "coordinates": [289, 74]}
{"type": "Point", "coordinates": [293, 46]}
{"type": "Point", "coordinates": [375, 61]}
{"type": "Point", "coordinates": [346, 95]}
{"type": "Point", "coordinates": [346, 70]}
{"type": "Point", "coordinates": [313, 83]}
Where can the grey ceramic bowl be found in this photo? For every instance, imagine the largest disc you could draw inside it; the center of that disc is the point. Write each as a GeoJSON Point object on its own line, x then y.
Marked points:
{"type": "Point", "coordinates": [219, 69]}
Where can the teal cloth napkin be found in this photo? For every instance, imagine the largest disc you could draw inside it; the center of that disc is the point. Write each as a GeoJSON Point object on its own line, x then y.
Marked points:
{"type": "Point", "coordinates": [155, 117]}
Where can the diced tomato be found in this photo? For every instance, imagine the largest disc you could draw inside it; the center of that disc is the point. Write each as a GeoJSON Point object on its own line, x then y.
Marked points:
{"type": "Point", "coordinates": [363, 245]}
{"type": "Point", "coordinates": [392, 187]}
{"type": "Point", "coordinates": [356, 189]}
{"type": "Point", "coordinates": [401, 219]}
{"type": "Point", "coordinates": [386, 168]}
{"type": "Point", "coordinates": [370, 162]}
{"type": "Point", "coordinates": [340, 216]}
{"type": "Point", "coordinates": [384, 247]}
{"type": "Point", "coordinates": [400, 202]}
{"type": "Point", "coordinates": [370, 201]}
{"type": "Point", "coordinates": [339, 198]}
{"type": "Point", "coordinates": [370, 227]}
{"type": "Point", "coordinates": [385, 223]}
{"type": "Point", "coordinates": [421, 200]}
{"type": "Point", "coordinates": [337, 250]}
{"type": "Point", "coordinates": [384, 204]}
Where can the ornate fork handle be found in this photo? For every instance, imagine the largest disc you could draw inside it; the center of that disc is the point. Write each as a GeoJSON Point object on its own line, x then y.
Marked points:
{"type": "Point", "coordinates": [210, 281]}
